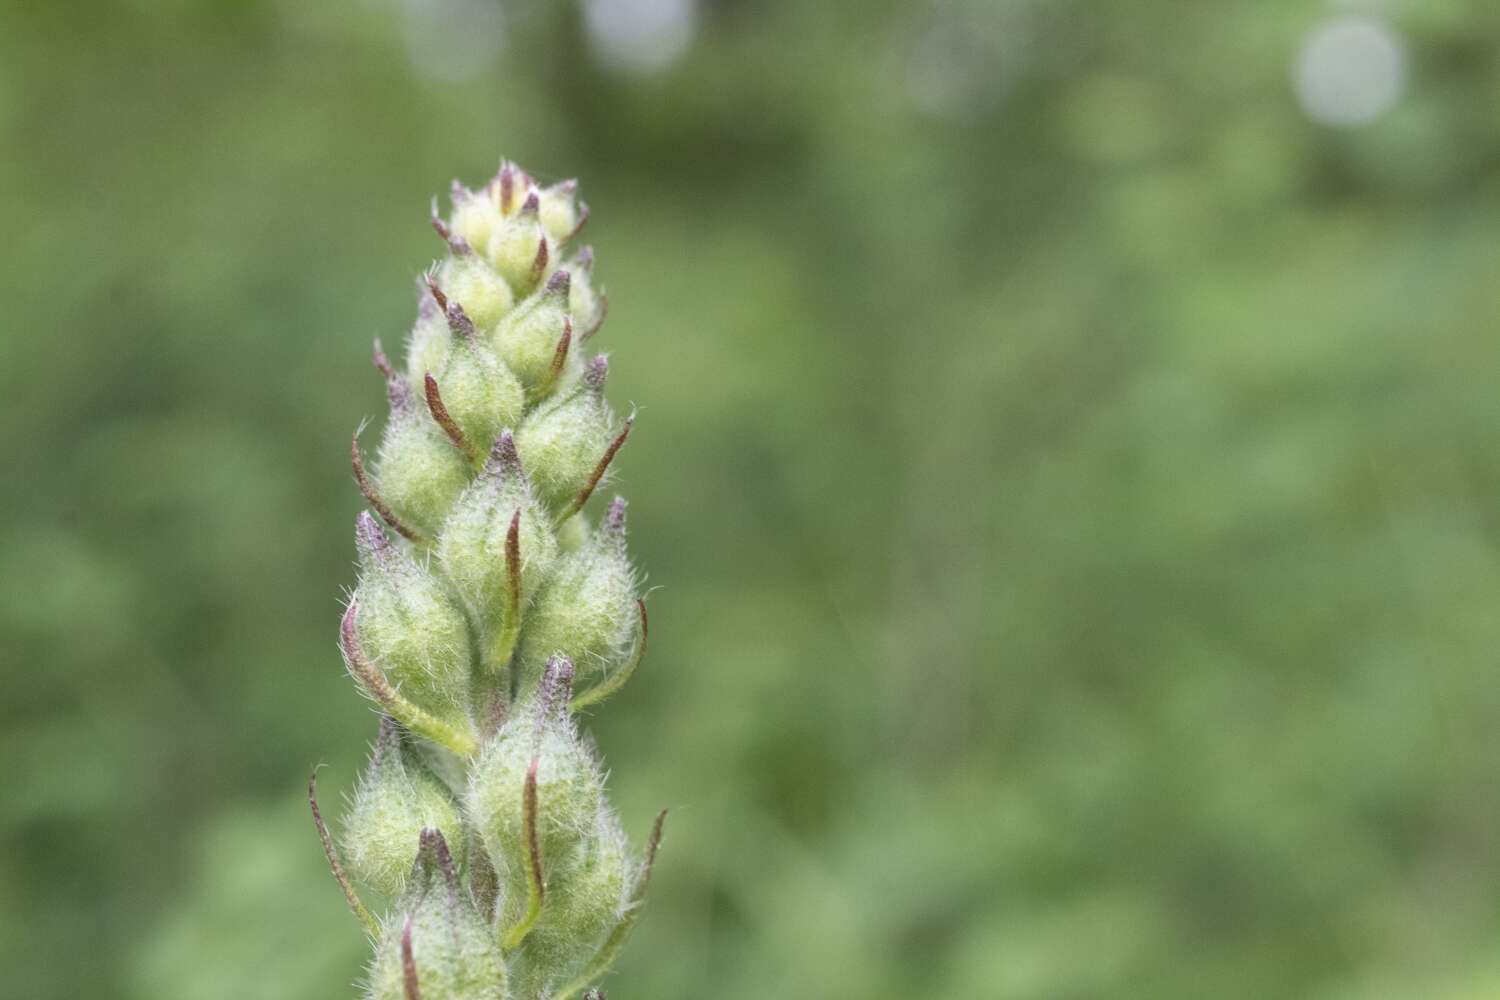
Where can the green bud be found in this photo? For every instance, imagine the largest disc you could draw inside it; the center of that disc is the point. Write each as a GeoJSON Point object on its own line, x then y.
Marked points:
{"type": "Point", "coordinates": [410, 628]}
{"type": "Point", "coordinates": [585, 304]}
{"type": "Point", "coordinates": [479, 392]}
{"type": "Point", "coordinates": [418, 470]}
{"type": "Point", "coordinates": [587, 610]}
{"type": "Point", "coordinates": [476, 214]}
{"type": "Point", "coordinates": [470, 281]}
{"type": "Point", "coordinates": [561, 213]}
{"type": "Point", "coordinates": [585, 900]}
{"type": "Point", "coordinates": [537, 334]}
{"type": "Point", "coordinates": [569, 786]}
{"type": "Point", "coordinates": [520, 248]}
{"type": "Point", "coordinates": [564, 438]}
{"type": "Point", "coordinates": [397, 798]}
{"type": "Point", "coordinates": [430, 341]}
{"type": "Point", "coordinates": [437, 938]}
{"type": "Point", "coordinates": [572, 534]}
{"type": "Point", "coordinates": [474, 544]}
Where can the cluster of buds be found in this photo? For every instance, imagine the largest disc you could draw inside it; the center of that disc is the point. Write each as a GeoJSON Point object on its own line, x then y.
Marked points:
{"type": "Point", "coordinates": [488, 612]}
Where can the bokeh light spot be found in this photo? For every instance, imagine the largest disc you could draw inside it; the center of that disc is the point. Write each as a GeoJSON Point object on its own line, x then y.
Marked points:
{"type": "Point", "coordinates": [1351, 70]}
{"type": "Point", "coordinates": [642, 36]}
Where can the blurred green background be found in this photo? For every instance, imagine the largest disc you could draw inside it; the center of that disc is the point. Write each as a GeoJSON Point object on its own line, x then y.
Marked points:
{"type": "Point", "coordinates": [1069, 459]}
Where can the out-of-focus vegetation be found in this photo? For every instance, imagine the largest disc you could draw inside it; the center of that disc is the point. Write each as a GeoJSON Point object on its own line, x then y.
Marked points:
{"type": "Point", "coordinates": [1072, 472]}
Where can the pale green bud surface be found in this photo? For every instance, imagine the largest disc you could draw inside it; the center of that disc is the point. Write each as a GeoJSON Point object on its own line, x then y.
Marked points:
{"type": "Point", "coordinates": [587, 610]}
{"type": "Point", "coordinates": [398, 797]}
{"type": "Point", "coordinates": [469, 279]}
{"type": "Point", "coordinates": [453, 952]}
{"type": "Point", "coordinates": [527, 338]}
{"type": "Point", "coordinates": [409, 626]}
{"type": "Point", "coordinates": [564, 437]}
{"type": "Point", "coordinates": [559, 211]}
{"type": "Point", "coordinates": [584, 303]}
{"type": "Point", "coordinates": [587, 897]}
{"type": "Point", "coordinates": [419, 474]}
{"type": "Point", "coordinates": [428, 346]}
{"type": "Point", "coordinates": [474, 541]}
{"type": "Point", "coordinates": [520, 248]}
{"type": "Point", "coordinates": [480, 392]}
{"type": "Point", "coordinates": [569, 785]}
{"type": "Point", "coordinates": [482, 817]}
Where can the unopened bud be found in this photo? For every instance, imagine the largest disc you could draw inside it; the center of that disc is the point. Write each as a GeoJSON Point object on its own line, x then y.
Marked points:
{"type": "Point", "coordinates": [472, 544]}
{"type": "Point", "coordinates": [437, 938]}
{"type": "Point", "coordinates": [475, 216]}
{"type": "Point", "coordinates": [520, 249]}
{"type": "Point", "coordinates": [472, 282]}
{"type": "Point", "coordinates": [419, 472]}
{"type": "Point", "coordinates": [527, 338]}
{"type": "Point", "coordinates": [559, 210]}
{"type": "Point", "coordinates": [569, 787]}
{"type": "Point", "coordinates": [585, 303]}
{"type": "Point", "coordinates": [430, 341]}
{"type": "Point", "coordinates": [564, 438]}
{"type": "Point", "coordinates": [585, 900]}
{"type": "Point", "coordinates": [479, 392]}
{"type": "Point", "coordinates": [587, 611]}
{"type": "Point", "coordinates": [409, 627]}
{"type": "Point", "coordinates": [397, 798]}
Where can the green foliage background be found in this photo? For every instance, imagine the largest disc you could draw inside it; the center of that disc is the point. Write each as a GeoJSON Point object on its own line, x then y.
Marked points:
{"type": "Point", "coordinates": [1075, 513]}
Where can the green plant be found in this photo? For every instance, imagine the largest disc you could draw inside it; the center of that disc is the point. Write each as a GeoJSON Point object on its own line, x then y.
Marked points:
{"type": "Point", "coordinates": [481, 817]}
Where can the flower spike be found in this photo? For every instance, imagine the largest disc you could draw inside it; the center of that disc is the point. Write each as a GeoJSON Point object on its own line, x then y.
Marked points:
{"type": "Point", "coordinates": [486, 616]}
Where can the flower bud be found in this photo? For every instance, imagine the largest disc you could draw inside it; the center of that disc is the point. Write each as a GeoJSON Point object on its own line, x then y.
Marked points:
{"type": "Point", "coordinates": [520, 248]}
{"type": "Point", "coordinates": [568, 782]}
{"type": "Point", "coordinates": [474, 541]}
{"type": "Point", "coordinates": [587, 610]}
{"type": "Point", "coordinates": [470, 281]}
{"type": "Point", "coordinates": [419, 471]}
{"type": "Point", "coordinates": [475, 216]}
{"type": "Point", "coordinates": [430, 341]}
{"type": "Point", "coordinates": [560, 212]}
{"type": "Point", "coordinates": [409, 627]}
{"type": "Point", "coordinates": [586, 898]}
{"type": "Point", "coordinates": [584, 303]}
{"type": "Point", "coordinates": [479, 392]}
{"type": "Point", "coordinates": [397, 798]}
{"type": "Point", "coordinates": [564, 438]}
{"type": "Point", "coordinates": [573, 534]}
{"type": "Point", "coordinates": [527, 338]}
{"type": "Point", "coordinates": [437, 938]}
